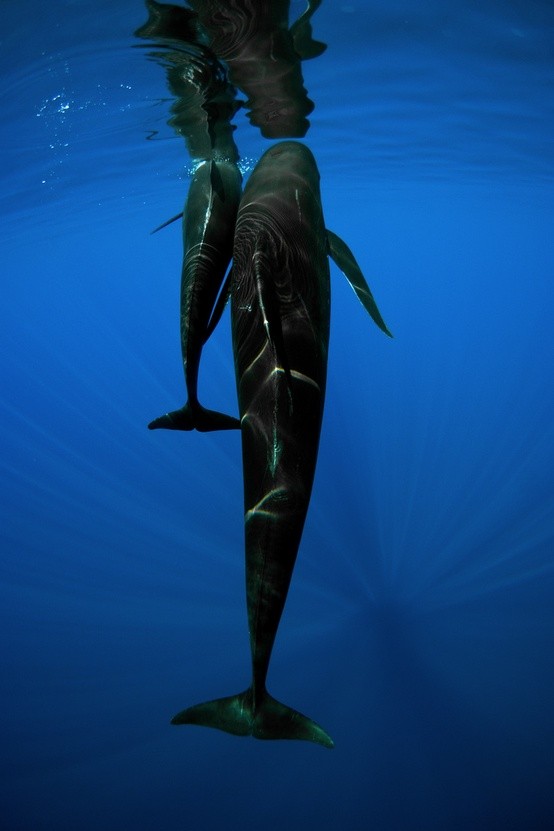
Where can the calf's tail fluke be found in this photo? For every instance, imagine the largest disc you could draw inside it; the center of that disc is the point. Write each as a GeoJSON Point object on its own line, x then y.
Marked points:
{"type": "Point", "coordinates": [198, 418]}
{"type": "Point", "coordinates": [269, 719]}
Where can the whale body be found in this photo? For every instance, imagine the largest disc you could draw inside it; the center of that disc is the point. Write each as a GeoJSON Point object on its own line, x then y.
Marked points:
{"type": "Point", "coordinates": [280, 310]}
{"type": "Point", "coordinates": [208, 226]}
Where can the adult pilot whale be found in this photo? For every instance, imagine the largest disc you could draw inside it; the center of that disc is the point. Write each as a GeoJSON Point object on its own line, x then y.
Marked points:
{"type": "Point", "coordinates": [280, 303]}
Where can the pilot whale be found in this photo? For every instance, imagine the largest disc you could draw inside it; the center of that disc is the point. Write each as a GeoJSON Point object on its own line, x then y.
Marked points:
{"type": "Point", "coordinates": [208, 226]}
{"type": "Point", "coordinates": [203, 106]}
{"type": "Point", "coordinates": [280, 308]}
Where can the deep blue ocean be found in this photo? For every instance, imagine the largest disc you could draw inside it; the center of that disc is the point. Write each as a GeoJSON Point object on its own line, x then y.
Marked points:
{"type": "Point", "coordinates": [419, 629]}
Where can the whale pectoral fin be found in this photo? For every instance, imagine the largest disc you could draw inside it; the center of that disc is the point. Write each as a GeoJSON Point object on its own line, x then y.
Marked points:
{"type": "Point", "coordinates": [219, 307]}
{"type": "Point", "coordinates": [270, 720]}
{"type": "Point", "coordinates": [201, 419]}
{"type": "Point", "coordinates": [344, 258]}
{"type": "Point", "coordinates": [167, 222]}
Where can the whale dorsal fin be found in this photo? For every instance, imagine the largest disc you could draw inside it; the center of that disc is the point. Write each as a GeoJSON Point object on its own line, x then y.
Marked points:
{"type": "Point", "coordinates": [344, 258]}
{"type": "Point", "coordinates": [219, 306]}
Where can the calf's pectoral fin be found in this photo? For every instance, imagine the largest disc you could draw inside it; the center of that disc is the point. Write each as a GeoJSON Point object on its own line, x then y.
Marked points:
{"type": "Point", "coordinates": [201, 419]}
{"type": "Point", "coordinates": [270, 719]}
{"type": "Point", "coordinates": [344, 258]}
{"type": "Point", "coordinates": [167, 222]}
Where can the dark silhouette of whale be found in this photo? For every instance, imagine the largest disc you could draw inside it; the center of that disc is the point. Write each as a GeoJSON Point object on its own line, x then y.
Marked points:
{"type": "Point", "coordinates": [201, 114]}
{"type": "Point", "coordinates": [280, 303]}
{"type": "Point", "coordinates": [208, 226]}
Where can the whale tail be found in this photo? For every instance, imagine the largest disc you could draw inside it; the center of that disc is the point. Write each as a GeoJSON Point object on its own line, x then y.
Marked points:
{"type": "Point", "coordinates": [197, 418]}
{"type": "Point", "coordinates": [270, 719]}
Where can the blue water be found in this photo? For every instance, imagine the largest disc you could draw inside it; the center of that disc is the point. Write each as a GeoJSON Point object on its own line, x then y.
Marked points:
{"type": "Point", "coordinates": [419, 630]}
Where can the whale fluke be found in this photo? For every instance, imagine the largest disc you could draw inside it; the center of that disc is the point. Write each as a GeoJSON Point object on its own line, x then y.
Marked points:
{"type": "Point", "coordinates": [199, 418]}
{"type": "Point", "coordinates": [269, 719]}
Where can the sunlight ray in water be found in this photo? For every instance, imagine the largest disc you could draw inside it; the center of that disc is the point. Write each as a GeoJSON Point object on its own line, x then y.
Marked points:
{"type": "Point", "coordinates": [473, 550]}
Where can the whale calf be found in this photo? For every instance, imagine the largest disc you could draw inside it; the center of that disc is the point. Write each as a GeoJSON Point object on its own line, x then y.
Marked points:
{"type": "Point", "coordinates": [280, 309]}
{"type": "Point", "coordinates": [204, 104]}
{"type": "Point", "coordinates": [208, 226]}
